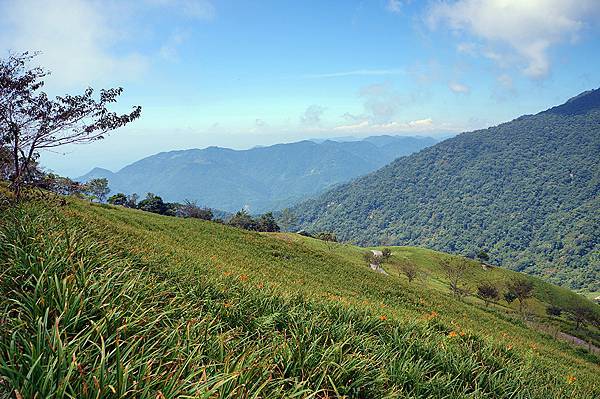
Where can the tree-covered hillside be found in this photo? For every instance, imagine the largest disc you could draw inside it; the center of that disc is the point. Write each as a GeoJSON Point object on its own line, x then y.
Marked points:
{"type": "Point", "coordinates": [260, 179]}
{"type": "Point", "coordinates": [526, 191]}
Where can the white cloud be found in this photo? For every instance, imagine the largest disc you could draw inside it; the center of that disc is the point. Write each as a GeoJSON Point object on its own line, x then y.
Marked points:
{"type": "Point", "coordinates": [381, 101]}
{"type": "Point", "coordinates": [170, 48]}
{"type": "Point", "coordinates": [365, 126]}
{"type": "Point", "coordinates": [421, 123]}
{"type": "Point", "coordinates": [84, 42]}
{"type": "Point", "coordinates": [394, 6]}
{"type": "Point", "coordinates": [312, 116]}
{"type": "Point", "coordinates": [528, 28]}
{"type": "Point", "coordinates": [505, 81]}
{"type": "Point", "coordinates": [459, 88]}
{"type": "Point", "coordinates": [74, 36]}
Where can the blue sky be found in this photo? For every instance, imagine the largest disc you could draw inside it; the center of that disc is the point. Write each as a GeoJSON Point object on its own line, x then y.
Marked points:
{"type": "Point", "coordinates": [244, 73]}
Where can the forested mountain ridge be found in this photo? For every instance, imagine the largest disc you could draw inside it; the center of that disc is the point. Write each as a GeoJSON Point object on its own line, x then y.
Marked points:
{"type": "Point", "coordinates": [261, 178]}
{"type": "Point", "coordinates": [526, 191]}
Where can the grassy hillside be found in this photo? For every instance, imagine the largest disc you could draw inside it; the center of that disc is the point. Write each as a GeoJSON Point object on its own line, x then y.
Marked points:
{"type": "Point", "coordinates": [102, 301]}
{"type": "Point", "coordinates": [525, 191]}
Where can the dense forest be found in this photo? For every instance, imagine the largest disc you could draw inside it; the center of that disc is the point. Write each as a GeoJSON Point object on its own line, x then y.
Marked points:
{"type": "Point", "coordinates": [526, 191]}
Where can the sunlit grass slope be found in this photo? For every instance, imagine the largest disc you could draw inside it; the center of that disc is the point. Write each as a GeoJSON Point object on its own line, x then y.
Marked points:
{"type": "Point", "coordinates": [100, 301]}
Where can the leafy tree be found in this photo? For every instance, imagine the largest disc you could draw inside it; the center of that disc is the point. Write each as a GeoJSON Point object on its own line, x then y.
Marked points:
{"type": "Point", "coordinates": [488, 292]}
{"type": "Point", "coordinates": [118, 199]}
{"type": "Point", "coordinates": [267, 223]}
{"type": "Point", "coordinates": [153, 203]}
{"type": "Point", "coordinates": [60, 185]}
{"type": "Point", "coordinates": [455, 271]}
{"type": "Point", "coordinates": [97, 188]}
{"type": "Point", "coordinates": [287, 219]}
{"type": "Point", "coordinates": [243, 220]}
{"type": "Point", "coordinates": [522, 289]}
{"type": "Point", "coordinates": [553, 311]}
{"type": "Point", "coordinates": [509, 297]}
{"type": "Point", "coordinates": [483, 257]}
{"type": "Point", "coordinates": [305, 233]}
{"type": "Point", "coordinates": [329, 238]}
{"type": "Point", "coordinates": [386, 253]}
{"type": "Point", "coordinates": [409, 269]}
{"type": "Point", "coordinates": [580, 315]}
{"type": "Point", "coordinates": [326, 236]}
{"type": "Point", "coordinates": [190, 209]}
{"type": "Point", "coordinates": [30, 121]}
{"type": "Point", "coordinates": [132, 200]}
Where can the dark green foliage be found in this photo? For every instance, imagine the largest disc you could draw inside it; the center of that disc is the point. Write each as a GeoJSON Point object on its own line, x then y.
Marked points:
{"type": "Point", "coordinates": [386, 253]}
{"type": "Point", "coordinates": [509, 297]}
{"type": "Point", "coordinates": [553, 311]}
{"type": "Point", "coordinates": [258, 179]}
{"type": "Point", "coordinates": [456, 271]}
{"type": "Point", "coordinates": [483, 256]}
{"type": "Point", "coordinates": [522, 289]}
{"type": "Point", "coordinates": [190, 209]}
{"type": "Point", "coordinates": [287, 220]}
{"type": "Point", "coordinates": [409, 269]}
{"type": "Point", "coordinates": [132, 200]}
{"type": "Point", "coordinates": [243, 220]}
{"type": "Point", "coordinates": [118, 199]}
{"type": "Point", "coordinates": [326, 236]}
{"type": "Point", "coordinates": [155, 204]}
{"type": "Point", "coordinates": [267, 223]}
{"type": "Point", "coordinates": [526, 190]}
{"type": "Point", "coordinates": [60, 185]}
{"type": "Point", "coordinates": [488, 292]}
{"type": "Point", "coordinates": [580, 314]}
{"type": "Point", "coordinates": [304, 233]}
{"type": "Point", "coordinates": [97, 188]}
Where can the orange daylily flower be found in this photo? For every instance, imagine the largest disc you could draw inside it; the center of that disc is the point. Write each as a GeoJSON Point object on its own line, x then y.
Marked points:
{"type": "Point", "coordinates": [452, 334]}
{"type": "Point", "coordinates": [571, 379]}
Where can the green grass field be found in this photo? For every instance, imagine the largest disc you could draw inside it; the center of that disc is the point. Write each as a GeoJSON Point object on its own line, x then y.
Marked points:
{"type": "Point", "coordinates": [101, 301]}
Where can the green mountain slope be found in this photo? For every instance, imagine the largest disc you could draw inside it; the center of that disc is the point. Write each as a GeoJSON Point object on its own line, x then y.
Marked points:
{"type": "Point", "coordinates": [526, 191]}
{"type": "Point", "coordinates": [101, 301]}
{"type": "Point", "coordinates": [262, 178]}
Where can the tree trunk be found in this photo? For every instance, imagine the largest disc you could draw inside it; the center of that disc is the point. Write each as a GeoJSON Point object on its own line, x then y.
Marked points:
{"type": "Point", "coordinates": [16, 180]}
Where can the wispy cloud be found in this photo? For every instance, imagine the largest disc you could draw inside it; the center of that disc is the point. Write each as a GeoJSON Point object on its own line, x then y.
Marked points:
{"type": "Point", "coordinates": [357, 72]}
{"type": "Point", "coordinates": [459, 88]}
{"type": "Point", "coordinates": [365, 126]}
{"type": "Point", "coordinates": [394, 6]}
{"type": "Point", "coordinates": [312, 116]}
